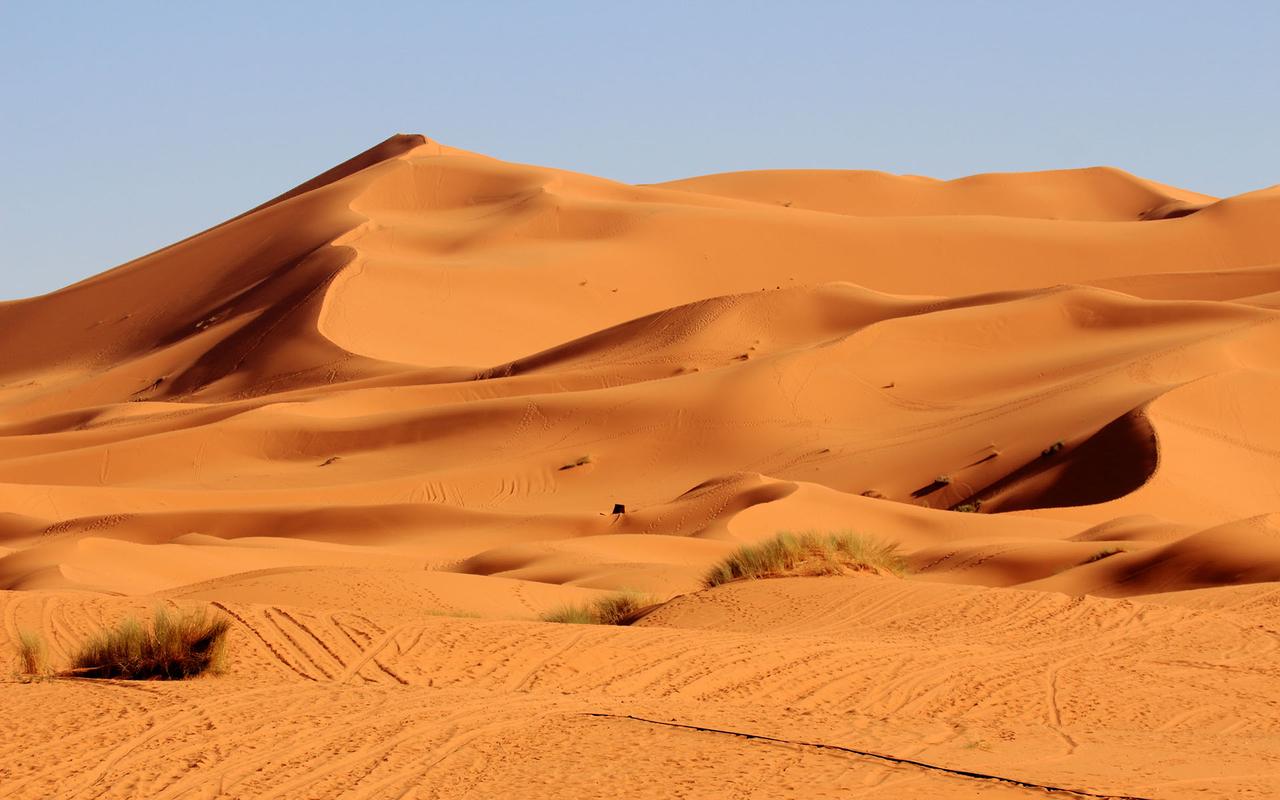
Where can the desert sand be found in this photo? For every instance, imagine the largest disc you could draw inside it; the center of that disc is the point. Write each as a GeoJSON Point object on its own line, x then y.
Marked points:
{"type": "Point", "coordinates": [382, 421]}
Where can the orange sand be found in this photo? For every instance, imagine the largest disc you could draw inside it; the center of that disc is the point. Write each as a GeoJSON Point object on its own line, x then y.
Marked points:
{"type": "Point", "coordinates": [415, 386]}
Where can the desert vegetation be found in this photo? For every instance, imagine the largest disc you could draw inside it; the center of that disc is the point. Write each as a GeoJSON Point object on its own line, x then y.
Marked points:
{"type": "Point", "coordinates": [450, 612]}
{"type": "Point", "coordinates": [1106, 552]}
{"type": "Point", "coordinates": [809, 553]}
{"type": "Point", "coordinates": [32, 660]}
{"type": "Point", "coordinates": [615, 609]}
{"type": "Point", "coordinates": [174, 646]}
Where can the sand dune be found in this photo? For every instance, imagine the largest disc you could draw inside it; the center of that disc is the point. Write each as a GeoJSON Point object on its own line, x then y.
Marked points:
{"type": "Point", "coordinates": [417, 385]}
{"type": "Point", "coordinates": [1089, 194]}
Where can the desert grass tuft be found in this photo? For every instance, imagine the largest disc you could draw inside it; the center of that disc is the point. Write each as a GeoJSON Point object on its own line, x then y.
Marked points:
{"type": "Point", "coordinates": [618, 609]}
{"type": "Point", "coordinates": [581, 461]}
{"type": "Point", "coordinates": [174, 646]}
{"type": "Point", "coordinates": [449, 612]}
{"type": "Point", "coordinates": [571, 615]}
{"type": "Point", "coordinates": [809, 553]}
{"type": "Point", "coordinates": [1107, 552]}
{"type": "Point", "coordinates": [614, 609]}
{"type": "Point", "coordinates": [32, 661]}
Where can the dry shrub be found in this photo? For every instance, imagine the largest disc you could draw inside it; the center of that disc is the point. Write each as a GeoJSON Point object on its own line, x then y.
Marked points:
{"type": "Point", "coordinates": [570, 615]}
{"type": "Point", "coordinates": [809, 553]}
{"type": "Point", "coordinates": [1106, 552]}
{"type": "Point", "coordinates": [615, 609]}
{"type": "Point", "coordinates": [620, 608]}
{"type": "Point", "coordinates": [32, 661]}
{"type": "Point", "coordinates": [173, 647]}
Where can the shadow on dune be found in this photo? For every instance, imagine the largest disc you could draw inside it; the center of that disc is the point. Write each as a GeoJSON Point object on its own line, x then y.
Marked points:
{"type": "Point", "coordinates": [1111, 463]}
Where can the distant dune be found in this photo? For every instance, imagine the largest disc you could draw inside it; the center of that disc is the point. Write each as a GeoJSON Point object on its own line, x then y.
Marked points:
{"type": "Point", "coordinates": [416, 387]}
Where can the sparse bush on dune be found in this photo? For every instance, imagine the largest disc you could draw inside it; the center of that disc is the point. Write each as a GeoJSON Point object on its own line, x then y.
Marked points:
{"type": "Point", "coordinates": [614, 609]}
{"type": "Point", "coordinates": [173, 647]}
{"type": "Point", "coordinates": [32, 661]}
{"type": "Point", "coordinates": [809, 553]}
{"type": "Point", "coordinates": [451, 612]}
{"type": "Point", "coordinates": [571, 615]}
{"type": "Point", "coordinates": [1106, 552]}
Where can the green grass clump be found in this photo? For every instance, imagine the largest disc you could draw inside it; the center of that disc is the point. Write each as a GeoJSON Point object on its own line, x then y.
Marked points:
{"type": "Point", "coordinates": [810, 553]}
{"type": "Point", "coordinates": [173, 647]}
{"type": "Point", "coordinates": [32, 661]}
{"type": "Point", "coordinates": [614, 609]}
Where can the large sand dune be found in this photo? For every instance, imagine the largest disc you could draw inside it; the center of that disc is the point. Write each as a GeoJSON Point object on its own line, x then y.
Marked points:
{"type": "Point", "coordinates": [417, 385]}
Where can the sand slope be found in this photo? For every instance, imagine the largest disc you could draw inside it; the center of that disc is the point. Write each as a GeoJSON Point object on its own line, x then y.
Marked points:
{"type": "Point", "coordinates": [812, 687]}
{"type": "Point", "coordinates": [418, 384]}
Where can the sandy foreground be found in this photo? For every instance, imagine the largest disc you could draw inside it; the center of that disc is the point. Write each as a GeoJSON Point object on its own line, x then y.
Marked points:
{"type": "Point", "coordinates": [381, 423]}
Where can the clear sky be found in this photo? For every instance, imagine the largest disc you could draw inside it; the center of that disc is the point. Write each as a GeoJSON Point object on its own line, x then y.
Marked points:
{"type": "Point", "coordinates": [127, 126]}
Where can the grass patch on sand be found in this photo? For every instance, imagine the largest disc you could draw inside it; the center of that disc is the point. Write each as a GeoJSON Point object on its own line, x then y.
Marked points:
{"type": "Point", "coordinates": [570, 615]}
{"type": "Point", "coordinates": [809, 553]}
{"type": "Point", "coordinates": [615, 609]}
{"type": "Point", "coordinates": [450, 612]}
{"type": "Point", "coordinates": [174, 646]}
{"type": "Point", "coordinates": [32, 659]}
{"type": "Point", "coordinates": [1107, 552]}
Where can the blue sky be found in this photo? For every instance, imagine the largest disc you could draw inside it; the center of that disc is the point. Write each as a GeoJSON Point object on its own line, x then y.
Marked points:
{"type": "Point", "coordinates": [127, 126]}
